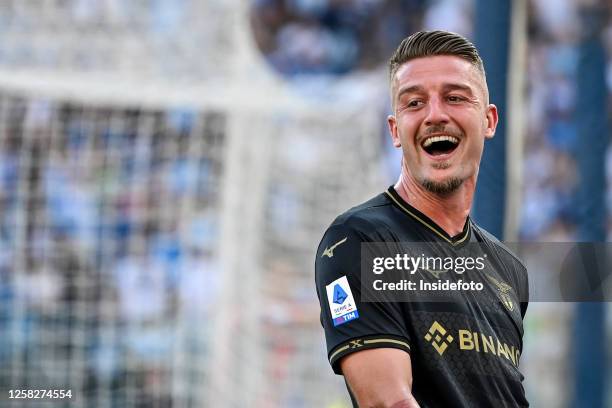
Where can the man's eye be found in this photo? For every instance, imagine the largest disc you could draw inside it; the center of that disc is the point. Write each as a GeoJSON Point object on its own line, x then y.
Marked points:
{"type": "Point", "coordinates": [455, 98]}
{"type": "Point", "coordinates": [413, 103]}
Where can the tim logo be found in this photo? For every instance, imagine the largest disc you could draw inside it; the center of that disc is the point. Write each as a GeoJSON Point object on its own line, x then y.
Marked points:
{"type": "Point", "coordinates": [339, 294]}
{"type": "Point", "coordinates": [437, 336]}
{"type": "Point", "coordinates": [346, 318]}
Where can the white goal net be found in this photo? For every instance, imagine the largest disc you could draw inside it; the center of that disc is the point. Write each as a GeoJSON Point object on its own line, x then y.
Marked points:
{"type": "Point", "coordinates": [161, 198]}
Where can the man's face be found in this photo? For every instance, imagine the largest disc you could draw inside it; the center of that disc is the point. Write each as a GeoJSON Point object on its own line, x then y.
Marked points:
{"type": "Point", "coordinates": [441, 119]}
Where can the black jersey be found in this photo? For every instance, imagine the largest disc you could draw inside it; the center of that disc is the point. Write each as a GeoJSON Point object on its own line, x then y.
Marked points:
{"type": "Point", "coordinates": [464, 351]}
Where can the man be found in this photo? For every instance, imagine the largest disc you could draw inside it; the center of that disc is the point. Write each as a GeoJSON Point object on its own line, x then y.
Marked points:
{"type": "Point", "coordinates": [464, 351]}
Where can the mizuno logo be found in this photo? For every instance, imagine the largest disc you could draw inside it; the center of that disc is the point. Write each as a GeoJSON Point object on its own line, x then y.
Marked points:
{"type": "Point", "coordinates": [329, 252]}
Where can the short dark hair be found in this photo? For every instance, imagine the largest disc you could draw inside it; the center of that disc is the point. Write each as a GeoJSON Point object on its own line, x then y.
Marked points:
{"type": "Point", "coordinates": [430, 43]}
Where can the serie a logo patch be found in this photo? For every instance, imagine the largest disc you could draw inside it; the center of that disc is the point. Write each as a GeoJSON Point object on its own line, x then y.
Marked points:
{"type": "Point", "coordinates": [341, 302]}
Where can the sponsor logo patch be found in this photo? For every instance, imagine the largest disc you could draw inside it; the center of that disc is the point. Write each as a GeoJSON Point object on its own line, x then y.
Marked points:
{"type": "Point", "coordinates": [341, 302]}
{"type": "Point", "coordinates": [467, 340]}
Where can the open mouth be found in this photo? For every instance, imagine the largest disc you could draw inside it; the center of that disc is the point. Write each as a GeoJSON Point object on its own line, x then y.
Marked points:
{"type": "Point", "coordinates": [439, 145]}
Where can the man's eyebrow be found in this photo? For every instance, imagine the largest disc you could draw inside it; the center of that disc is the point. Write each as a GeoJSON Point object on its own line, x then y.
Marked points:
{"type": "Point", "coordinates": [458, 87]}
{"type": "Point", "coordinates": [410, 89]}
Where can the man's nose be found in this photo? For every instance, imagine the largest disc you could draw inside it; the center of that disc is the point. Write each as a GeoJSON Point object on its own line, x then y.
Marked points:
{"type": "Point", "coordinates": [437, 112]}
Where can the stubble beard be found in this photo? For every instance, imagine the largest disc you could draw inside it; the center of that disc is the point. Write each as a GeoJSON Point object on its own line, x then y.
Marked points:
{"type": "Point", "coordinates": [445, 187]}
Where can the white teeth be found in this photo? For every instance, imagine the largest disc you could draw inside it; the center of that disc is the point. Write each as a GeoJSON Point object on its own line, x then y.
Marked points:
{"type": "Point", "coordinates": [433, 139]}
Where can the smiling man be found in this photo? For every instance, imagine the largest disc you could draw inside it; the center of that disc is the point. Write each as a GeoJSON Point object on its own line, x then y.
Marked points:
{"type": "Point", "coordinates": [460, 352]}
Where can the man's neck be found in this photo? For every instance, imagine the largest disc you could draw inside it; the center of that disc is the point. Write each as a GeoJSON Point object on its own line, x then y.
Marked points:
{"type": "Point", "coordinates": [449, 212]}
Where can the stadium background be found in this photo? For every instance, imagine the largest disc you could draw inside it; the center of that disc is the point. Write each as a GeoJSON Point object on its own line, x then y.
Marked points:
{"type": "Point", "coordinates": [168, 167]}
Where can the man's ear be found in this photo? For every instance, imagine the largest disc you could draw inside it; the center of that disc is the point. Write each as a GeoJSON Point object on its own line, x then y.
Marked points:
{"type": "Point", "coordinates": [392, 122]}
{"type": "Point", "coordinates": [492, 119]}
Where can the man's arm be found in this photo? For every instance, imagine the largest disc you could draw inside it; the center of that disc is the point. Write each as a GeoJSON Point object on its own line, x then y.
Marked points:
{"type": "Point", "coordinates": [380, 378]}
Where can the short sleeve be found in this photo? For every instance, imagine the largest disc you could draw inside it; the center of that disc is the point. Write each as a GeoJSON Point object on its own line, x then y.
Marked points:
{"type": "Point", "coordinates": [351, 325]}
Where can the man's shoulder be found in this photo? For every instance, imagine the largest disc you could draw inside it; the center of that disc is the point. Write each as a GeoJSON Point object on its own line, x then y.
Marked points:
{"type": "Point", "coordinates": [361, 223]}
{"type": "Point", "coordinates": [501, 247]}
{"type": "Point", "coordinates": [363, 217]}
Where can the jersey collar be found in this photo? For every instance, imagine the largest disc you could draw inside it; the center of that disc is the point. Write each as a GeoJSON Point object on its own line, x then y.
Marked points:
{"type": "Point", "coordinates": [428, 222]}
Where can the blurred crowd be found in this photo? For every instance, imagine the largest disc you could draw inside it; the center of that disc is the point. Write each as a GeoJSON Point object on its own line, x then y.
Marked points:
{"type": "Point", "coordinates": [314, 37]}
{"type": "Point", "coordinates": [111, 217]}
{"type": "Point", "coordinates": [551, 137]}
